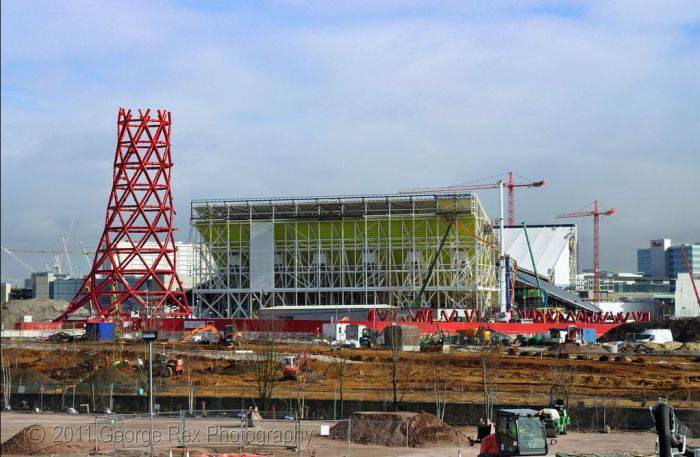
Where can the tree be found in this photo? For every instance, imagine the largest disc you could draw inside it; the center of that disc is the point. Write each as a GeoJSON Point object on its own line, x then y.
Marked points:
{"type": "Point", "coordinates": [490, 365]}
{"type": "Point", "coordinates": [401, 369]}
{"type": "Point", "coordinates": [99, 382]}
{"type": "Point", "coordinates": [441, 385]}
{"type": "Point", "coordinates": [266, 364]}
{"type": "Point", "coordinates": [339, 370]}
{"type": "Point", "coordinates": [301, 394]}
{"type": "Point", "coordinates": [6, 366]}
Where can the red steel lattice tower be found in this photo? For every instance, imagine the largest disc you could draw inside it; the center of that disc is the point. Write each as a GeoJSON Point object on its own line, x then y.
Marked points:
{"type": "Point", "coordinates": [134, 266]}
{"type": "Point", "coordinates": [596, 213]}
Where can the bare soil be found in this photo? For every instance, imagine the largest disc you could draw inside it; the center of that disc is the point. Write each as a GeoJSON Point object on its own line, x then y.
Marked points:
{"type": "Point", "coordinates": [41, 440]}
{"type": "Point", "coordinates": [400, 429]}
{"type": "Point", "coordinates": [520, 377]}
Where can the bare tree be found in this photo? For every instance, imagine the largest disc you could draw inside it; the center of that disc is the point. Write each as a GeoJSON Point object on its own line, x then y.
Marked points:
{"type": "Point", "coordinates": [339, 370]}
{"type": "Point", "coordinates": [441, 385]}
{"type": "Point", "coordinates": [563, 372]}
{"type": "Point", "coordinates": [99, 382]}
{"type": "Point", "coordinates": [6, 366]}
{"type": "Point", "coordinates": [401, 367]}
{"type": "Point", "coordinates": [266, 364]}
{"type": "Point", "coordinates": [490, 365]}
{"type": "Point", "coordinates": [301, 394]}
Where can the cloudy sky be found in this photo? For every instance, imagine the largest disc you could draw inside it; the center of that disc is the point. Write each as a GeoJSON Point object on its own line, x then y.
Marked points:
{"type": "Point", "coordinates": [290, 98]}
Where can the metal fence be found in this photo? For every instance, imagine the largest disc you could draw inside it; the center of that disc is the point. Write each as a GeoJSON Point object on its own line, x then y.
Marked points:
{"type": "Point", "coordinates": [218, 431]}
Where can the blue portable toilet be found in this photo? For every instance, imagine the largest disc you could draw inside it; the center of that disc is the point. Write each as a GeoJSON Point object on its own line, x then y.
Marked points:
{"type": "Point", "coordinates": [107, 331]}
{"type": "Point", "coordinates": [100, 331]}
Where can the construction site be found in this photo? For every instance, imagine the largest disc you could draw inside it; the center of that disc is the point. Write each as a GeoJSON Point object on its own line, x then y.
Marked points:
{"type": "Point", "coordinates": [409, 323]}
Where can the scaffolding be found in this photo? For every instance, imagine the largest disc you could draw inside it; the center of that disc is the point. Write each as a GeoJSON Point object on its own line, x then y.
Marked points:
{"type": "Point", "coordinates": [341, 251]}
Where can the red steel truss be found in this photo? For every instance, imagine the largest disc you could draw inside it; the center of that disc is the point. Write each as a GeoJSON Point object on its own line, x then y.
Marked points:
{"type": "Point", "coordinates": [134, 266]}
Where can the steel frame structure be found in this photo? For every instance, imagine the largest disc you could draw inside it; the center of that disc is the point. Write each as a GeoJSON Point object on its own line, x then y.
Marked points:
{"type": "Point", "coordinates": [344, 251]}
{"type": "Point", "coordinates": [134, 265]}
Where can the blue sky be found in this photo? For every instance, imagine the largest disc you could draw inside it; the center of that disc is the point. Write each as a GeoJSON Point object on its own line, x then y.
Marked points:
{"type": "Point", "coordinates": [293, 98]}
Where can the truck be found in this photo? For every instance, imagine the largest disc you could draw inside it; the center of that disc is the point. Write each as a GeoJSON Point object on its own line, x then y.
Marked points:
{"type": "Point", "coordinates": [656, 335]}
{"type": "Point", "coordinates": [343, 334]}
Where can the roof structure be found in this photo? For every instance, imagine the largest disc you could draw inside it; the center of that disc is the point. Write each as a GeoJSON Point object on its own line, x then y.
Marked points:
{"type": "Point", "coordinates": [550, 248]}
{"type": "Point", "coordinates": [551, 290]}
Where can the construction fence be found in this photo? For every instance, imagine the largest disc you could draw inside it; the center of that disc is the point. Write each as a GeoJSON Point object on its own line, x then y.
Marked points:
{"type": "Point", "coordinates": [588, 413]}
{"type": "Point", "coordinates": [220, 431]}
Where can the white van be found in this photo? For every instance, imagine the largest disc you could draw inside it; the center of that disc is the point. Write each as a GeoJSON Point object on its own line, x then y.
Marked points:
{"type": "Point", "coordinates": [656, 335]}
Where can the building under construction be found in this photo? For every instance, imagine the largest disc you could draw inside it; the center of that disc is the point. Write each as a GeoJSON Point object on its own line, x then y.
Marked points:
{"type": "Point", "coordinates": [342, 251]}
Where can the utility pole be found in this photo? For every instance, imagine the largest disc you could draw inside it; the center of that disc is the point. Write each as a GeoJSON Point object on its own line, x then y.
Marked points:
{"type": "Point", "coordinates": [150, 336]}
{"type": "Point", "coordinates": [501, 257]}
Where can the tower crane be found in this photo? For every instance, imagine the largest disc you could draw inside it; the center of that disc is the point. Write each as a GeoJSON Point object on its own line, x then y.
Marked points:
{"type": "Point", "coordinates": [52, 251]}
{"type": "Point", "coordinates": [66, 240]}
{"type": "Point", "coordinates": [597, 214]}
{"type": "Point", "coordinates": [510, 185]}
{"type": "Point", "coordinates": [87, 258]}
{"type": "Point", "coordinates": [20, 261]}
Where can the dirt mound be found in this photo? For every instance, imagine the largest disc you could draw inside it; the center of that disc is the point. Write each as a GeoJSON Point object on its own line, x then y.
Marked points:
{"type": "Point", "coordinates": [40, 310]}
{"type": "Point", "coordinates": [38, 440]}
{"type": "Point", "coordinates": [683, 330]}
{"type": "Point", "coordinates": [565, 348]}
{"type": "Point", "coordinates": [397, 430]}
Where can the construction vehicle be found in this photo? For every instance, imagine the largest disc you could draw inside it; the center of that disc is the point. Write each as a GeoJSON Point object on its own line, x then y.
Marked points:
{"type": "Point", "coordinates": [517, 432]}
{"type": "Point", "coordinates": [433, 342]}
{"type": "Point", "coordinates": [207, 334]}
{"type": "Point", "coordinates": [292, 365]}
{"type": "Point", "coordinates": [369, 338]}
{"type": "Point", "coordinates": [165, 367]}
{"type": "Point", "coordinates": [231, 336]}
{"type": "Point", "coordinates": [672, 435]}
{"type": "Point", "coordinates": [556, 414]}
{"type": "Point", "coordinates": [474, 335]}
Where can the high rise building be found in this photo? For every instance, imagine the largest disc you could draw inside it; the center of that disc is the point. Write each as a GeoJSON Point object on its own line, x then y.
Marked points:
{"type": "Point", "coordinates": [663, 259]}
{"type": "Point", "coordinates": [675, 263]}
{"type": "Point", "coordinates": [644, 261]}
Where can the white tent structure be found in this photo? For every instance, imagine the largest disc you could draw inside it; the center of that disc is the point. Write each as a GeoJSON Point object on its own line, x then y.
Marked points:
{"type": "Point", "coordinates": [686, 302]}
{"type": "Point", "coordinates": [553, 247]}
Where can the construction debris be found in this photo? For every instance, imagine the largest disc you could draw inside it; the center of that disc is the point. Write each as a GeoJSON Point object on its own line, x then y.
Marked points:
{"type": "Point", "coordinates": [397, 430]}
{"type": "Point", "coordinates": [41, 310]}
{"type": "Point", "coordinates": [25, 442]}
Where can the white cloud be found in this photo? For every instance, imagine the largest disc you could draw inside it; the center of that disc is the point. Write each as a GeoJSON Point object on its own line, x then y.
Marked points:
{"type": "Point", "coordinates": [358, 98]}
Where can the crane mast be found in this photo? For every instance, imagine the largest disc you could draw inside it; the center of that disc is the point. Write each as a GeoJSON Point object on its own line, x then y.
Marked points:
{"type": "Point", "coordinates": [597, 214]}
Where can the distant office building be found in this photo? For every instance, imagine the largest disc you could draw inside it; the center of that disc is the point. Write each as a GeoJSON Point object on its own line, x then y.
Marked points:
{"type": "Point", "coordinates": [40, 284]}
{"type": "Point", "coordinates": [662, 259]}
{"type": "Point", "coordinates": [658, 257]}
{"type": "Point", "coordinates": [628, 285]}
{"type": "Point", "coordinates": [675, 263]}
{"type": "Point", "coordinates": [5, 289]}
{"type": "Point", "coordinates": [686, 300]}
{"type": "Point", "coordinates": [20, 293]}
{"type": "Point", "coordinates": [65, 288]}
{"type": "Point", "coordinates": [644, 261]}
